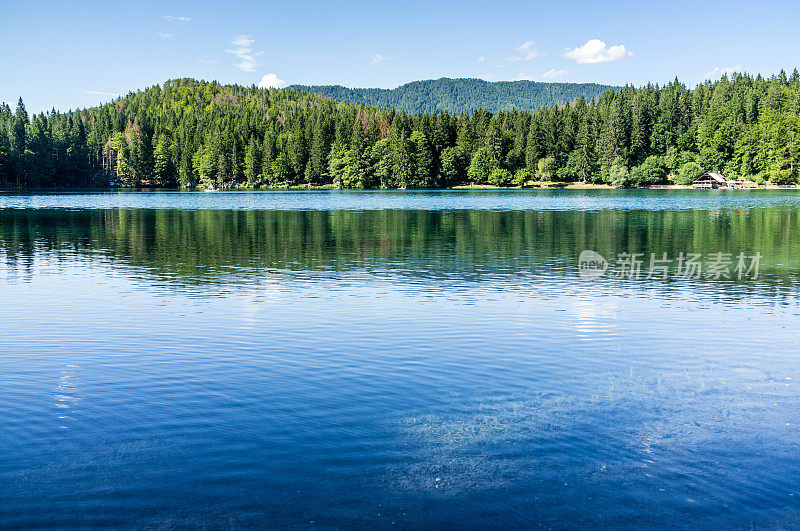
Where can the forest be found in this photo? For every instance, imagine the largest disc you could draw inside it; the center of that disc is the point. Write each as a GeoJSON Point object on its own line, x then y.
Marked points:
{"type": "Point", "coordinates": [462, 95]}
{"type": "Point", "coordinates": [193, 133]}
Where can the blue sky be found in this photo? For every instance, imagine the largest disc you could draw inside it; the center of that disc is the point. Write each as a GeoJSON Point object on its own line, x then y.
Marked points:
{"type": "Point", "coordinates": [76, 54]}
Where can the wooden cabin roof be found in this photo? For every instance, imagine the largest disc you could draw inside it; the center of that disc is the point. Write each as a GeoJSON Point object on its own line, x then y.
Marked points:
{"type": "Point", "coordinates": [712, 176]}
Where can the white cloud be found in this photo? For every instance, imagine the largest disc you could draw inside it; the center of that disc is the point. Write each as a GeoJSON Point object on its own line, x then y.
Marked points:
{"type": "Point", "coordinates": [101, 93]}
{"type": "Point", "coordinates": [164, 35]}
{"type": "Point", "coordinates": [176, 19]}
{"type": "Point", "coordinates": [550, 74]}
{"type": "Point", "coordinates": [596, 51]}
{"type": "Point", "coordinates": [271, 81]}
{"type": "Point", "coordinates": [481, 59]}
{"type": "Point", "coordinates": [723, 71]}
{"type": "Point", "coordinates": [244, 51]}
{"type": "Point", "coordinates": [243, 41]}
{"type": "Point", "coordinates": [378, 58]}
{"type": "Point", "coordinates": [207, 61]}
{"type": "Point", "coordinates": [527, 51]}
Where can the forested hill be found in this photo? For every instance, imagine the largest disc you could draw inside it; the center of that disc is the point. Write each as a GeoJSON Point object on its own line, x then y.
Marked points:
{"type": "Point", "coordinates": [457, 95]}
{"type": "Point", "coordinates": [188, 133]}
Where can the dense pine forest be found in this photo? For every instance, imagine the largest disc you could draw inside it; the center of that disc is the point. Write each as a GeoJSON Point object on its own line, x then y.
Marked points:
{"type": "Point", "coordinates": [462, 95]}
{"type": "Point", "coordinates": [190, 133]}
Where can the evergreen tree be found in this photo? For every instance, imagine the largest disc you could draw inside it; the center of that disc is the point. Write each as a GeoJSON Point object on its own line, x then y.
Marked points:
{"type": "Point", "coordinates": [320, 147]}
{"type": "Point", "coordinates": [252, 162]}
{"type": "Point", "coordinates": [479, 167]}
{"type": "Point", "coordinates": [423, 160]}
{"type": "Point", "coordinates": [451, 166]}
{"type": "Point", "coordinates": [17, 142]}
{"type": "Point", "coordinates": [163, 172]}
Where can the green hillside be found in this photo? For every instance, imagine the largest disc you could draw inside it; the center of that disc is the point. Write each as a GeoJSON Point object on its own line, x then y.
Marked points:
{"type": "Point", "coordinates": [457, 95]}
{"type": "Point", "coordinates": [189, 133]}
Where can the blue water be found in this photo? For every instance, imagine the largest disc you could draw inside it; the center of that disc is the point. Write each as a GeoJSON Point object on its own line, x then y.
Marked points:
{"type": "Point", "coordinates": [513, 199]}
{"type": "Point", "coordinates": [378, 360]}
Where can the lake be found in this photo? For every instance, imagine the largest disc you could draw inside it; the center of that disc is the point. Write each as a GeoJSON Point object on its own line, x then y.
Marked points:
{"type": "Point", "coordinates": [400, 359]}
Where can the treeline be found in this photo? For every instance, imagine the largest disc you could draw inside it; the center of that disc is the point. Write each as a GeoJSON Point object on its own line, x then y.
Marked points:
{"type": "Point", "coordinates": [462, 95]}
{"type": "Point", "coordinates": [49, 150]}
{"type": "Point", "coordinates": [190, 132]}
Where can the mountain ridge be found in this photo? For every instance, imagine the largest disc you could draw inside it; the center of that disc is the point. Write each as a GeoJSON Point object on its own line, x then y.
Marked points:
{"type": "Point", "coordinates": [458, 95]}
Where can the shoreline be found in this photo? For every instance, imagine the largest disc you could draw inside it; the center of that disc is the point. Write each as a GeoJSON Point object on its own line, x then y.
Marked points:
{"type": "Point", "coordinates": [531, 186]}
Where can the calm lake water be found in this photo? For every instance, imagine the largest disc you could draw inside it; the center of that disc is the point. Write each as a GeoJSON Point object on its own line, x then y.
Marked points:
{"type": "Point", "coordinates": [415, 359]}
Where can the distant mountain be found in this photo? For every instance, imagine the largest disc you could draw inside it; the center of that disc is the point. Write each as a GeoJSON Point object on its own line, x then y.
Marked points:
{"type": "Point", "coordinates": [456, 95]}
